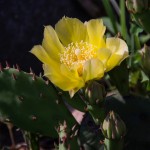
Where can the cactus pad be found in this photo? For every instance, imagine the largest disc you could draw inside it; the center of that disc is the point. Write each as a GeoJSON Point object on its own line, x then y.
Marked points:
{"type": "Point", "coordinates": [30, 103]}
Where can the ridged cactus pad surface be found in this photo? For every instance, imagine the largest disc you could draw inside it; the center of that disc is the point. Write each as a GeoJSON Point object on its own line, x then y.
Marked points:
{"type": "Point", "coordinates": [30, 103]}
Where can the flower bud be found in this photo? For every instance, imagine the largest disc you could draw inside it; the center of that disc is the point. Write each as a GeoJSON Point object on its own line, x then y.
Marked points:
{"type": "Point", "coordinates": [145, 52]}
{"type": "Point", "coordinates": [137, 6]}
{"type": "Point", "coordinates": [94, 93]}
{"type": "Point", "coordinates": [140, 11]}
{"type": "Point", "coordinates": [113, 127]}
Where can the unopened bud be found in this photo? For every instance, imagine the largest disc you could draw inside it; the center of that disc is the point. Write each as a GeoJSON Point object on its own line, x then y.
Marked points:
{"type": "Point", "coordinates": [113, 127]}
{"type": "Point", "coordinates": [145, 52]}
{"type": "Point", "coordinates": [140, 12]}
{"type": "Point", "coordinates": [137, 6]}
{"type": "Point", "coordinates": [95, 93]}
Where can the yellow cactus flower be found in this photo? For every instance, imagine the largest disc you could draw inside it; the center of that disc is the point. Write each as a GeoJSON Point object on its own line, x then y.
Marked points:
{"type": "Point", "coordinates": [76, 52]}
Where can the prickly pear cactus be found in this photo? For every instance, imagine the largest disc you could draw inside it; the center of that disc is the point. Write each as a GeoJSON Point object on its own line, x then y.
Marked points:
{"type": "Point", "coordinates": [30, 103]}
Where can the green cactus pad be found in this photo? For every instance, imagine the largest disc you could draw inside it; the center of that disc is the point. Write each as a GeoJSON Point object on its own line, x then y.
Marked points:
{"type": "Point", "coordinates": [30, 103]}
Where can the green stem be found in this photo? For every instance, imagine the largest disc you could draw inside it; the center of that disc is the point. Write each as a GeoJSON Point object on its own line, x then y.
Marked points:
{"type": "Point", "coordinates": [113, 144]}
{"type": "Point", "coordinates": [132, 50]}
{"type": "Point", "coordinates": [110, 13]}
{"type": "Point", "coordinates": [31, 140]}
{"type": "Point", "coordinates": [123, 19]}
{"type": "Point", "coordinates": [97, 112]}
{"type": "Point", "coordinates": [137, 42]}
{"type": "Point", "coordinates": [34, 141]}
{"type": "Point", "coordinates": [10, 127]}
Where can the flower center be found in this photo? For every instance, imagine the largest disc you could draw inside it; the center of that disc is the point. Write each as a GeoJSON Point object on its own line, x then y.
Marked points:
{"type": "Point", "coordinates": [76, 54]}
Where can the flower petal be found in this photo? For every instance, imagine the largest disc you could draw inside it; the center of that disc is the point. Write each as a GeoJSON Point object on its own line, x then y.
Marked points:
{"type": "Point", "coordinates": [93, 69]}
{"type": "Point", "coordinates": [41, 54]}
{"type": "Point", "coordinates": [113, 61]}
{"type": "Point", "coordinates": [70, 30]}
{"type": "Point", "coordinates": [103, 55]}
{"type": "Point", "coordinates": [117, 45]}
{"type": "Point", "coordinates": [51, 43]}
{"type": "Point", "coordinates": [64, 80]}
{"type": "Point", "coordinates": [119, 51]}
{"type": "Point", "coordinates": [96, 30]}
{"type": "Point", "coordinates": [73, 75]}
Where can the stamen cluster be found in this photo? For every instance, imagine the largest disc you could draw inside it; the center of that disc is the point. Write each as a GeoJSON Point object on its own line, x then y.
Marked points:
{"type": "Point", "coordinates": [77, 54]}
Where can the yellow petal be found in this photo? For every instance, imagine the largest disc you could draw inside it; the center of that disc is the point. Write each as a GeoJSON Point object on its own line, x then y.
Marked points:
{"type": "Point", "coordinates": [51, 43]}
{"type": "Point", "coordinates": [73, 75]}
{"type": "Point", "coordinates": [60, 78]}
{"type": "Point", "coordinates": [70, 73]}
{"type": "Point", "coordinates": [70, 30]}
{"type": "Point", "coordinates": [93, 69]}
{"type": "Point", "coordinates": [119, 51]}
{"type": "Point", "coordinates": [113, 61]}
{"type": "Point", "coordinates": [96, 30]}
{"type": "Point", "coordinates": [103, 55]}
{"type": "Point", "coordinates": [117, 46]}
{"type": "Point", "coordinates": [41, 54]}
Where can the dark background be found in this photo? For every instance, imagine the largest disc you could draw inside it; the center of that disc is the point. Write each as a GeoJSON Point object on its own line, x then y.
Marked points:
{"type": "Point", "coordinates": [22, 23]}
